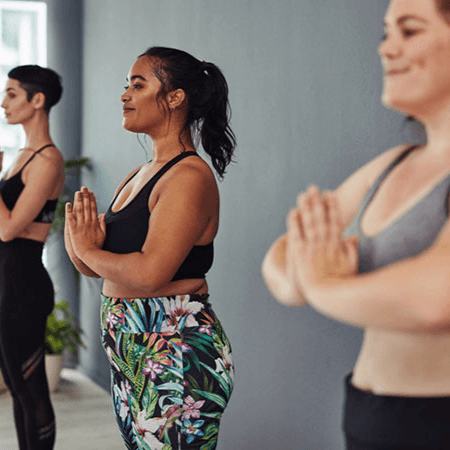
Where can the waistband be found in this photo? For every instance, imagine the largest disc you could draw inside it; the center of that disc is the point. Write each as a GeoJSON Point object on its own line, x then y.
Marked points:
{"type": "Point", "coordinates": [155, 314]}
{"type": "Point", "coordinates": [22, 242]}
{"type": "Point", "coordinates": [396, 421]}
{"type": "Point", "coordinates": [183, 298]}
{"type": "Point", "coordinates": [360, 394]}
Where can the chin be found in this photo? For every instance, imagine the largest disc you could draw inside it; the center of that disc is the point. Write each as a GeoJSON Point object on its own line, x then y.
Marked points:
{"type": "Point", "coordinates": [402, 104]}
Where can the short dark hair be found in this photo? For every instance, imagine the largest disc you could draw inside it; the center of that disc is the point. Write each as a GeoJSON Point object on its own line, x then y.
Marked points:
{"type": "Point", "coordinates": [34, 79]}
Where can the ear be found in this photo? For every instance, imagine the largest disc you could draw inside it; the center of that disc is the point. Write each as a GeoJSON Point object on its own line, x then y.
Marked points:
{"type": "Point", "coordinates": [38, 100]}
{"type": "Point", "coordinates": [176, 98]}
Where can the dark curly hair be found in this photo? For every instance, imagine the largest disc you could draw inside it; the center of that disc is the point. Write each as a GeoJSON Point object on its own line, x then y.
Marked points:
{"type": "Point", "coordinates": [36, 79]}
{"type": "Point", "coordinates": [208, 113]}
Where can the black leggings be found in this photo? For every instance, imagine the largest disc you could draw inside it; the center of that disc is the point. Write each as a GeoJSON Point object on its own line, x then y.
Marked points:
{"type": "Point", "coordinates": [386, 422]}
{"type": "Point", "coordinates": [26, 298]}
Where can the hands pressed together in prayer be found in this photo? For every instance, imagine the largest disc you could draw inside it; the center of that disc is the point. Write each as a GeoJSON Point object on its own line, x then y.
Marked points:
{"type": "Point", "coordinates": [84, 228]}
{"type": "Point", "coordinates": [317, 253]}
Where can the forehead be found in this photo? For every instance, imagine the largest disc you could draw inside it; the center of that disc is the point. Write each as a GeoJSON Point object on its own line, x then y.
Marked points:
{"type": "Point", "coordinates": [142, 67]}
{"type": "Point", "coordinates": [11, 83]}
{"type": "Point", "coordinates": [423, 9]}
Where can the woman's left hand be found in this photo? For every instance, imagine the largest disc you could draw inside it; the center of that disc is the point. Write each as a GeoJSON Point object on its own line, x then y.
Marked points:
{"type": "Point", "coordinates": [315, 235]}
{"type": "Point", "coordinates": [87, 229]}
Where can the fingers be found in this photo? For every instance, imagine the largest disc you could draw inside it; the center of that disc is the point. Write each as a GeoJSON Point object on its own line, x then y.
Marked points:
{"type": "Point", "coordinates": [70, 218]}
{"type": "Point", "coordinates": [314, 214]}
{"type": "Point", "coordinates": [294, 227]}
{"type": "Point", "coordinates": [93, 205]}
{"type": "Point", "coordinates": [78, 207]}
{"type": "Point", "coordinates": [85, 207]}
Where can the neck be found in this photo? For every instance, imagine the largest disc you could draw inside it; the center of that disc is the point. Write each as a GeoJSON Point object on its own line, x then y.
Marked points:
{"type": "Point", "coordinates": [166, 147]}
{"type": "Point", "coordinates": [37, 131]}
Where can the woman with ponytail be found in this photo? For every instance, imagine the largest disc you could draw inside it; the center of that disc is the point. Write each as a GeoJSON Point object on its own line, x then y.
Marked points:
{"type": "Point", "coordinates": [171, 364]}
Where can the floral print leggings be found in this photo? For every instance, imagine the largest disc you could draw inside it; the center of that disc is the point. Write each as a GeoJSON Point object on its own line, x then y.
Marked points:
{"type": "Point", "coordinates": [171, 370]}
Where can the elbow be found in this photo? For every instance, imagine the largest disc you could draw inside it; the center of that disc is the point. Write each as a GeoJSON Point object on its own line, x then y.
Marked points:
{"type": "Point", "coordinates": [434, 315]}
{"type": "Point", "coordinates": [437, 318]}
{"type": "Point", "coordinates": [7, 235]}
{"type": "Point", "coordinates": [279, 287]}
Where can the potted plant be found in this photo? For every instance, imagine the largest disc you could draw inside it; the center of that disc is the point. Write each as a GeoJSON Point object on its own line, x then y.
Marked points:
{"type": "Point", "coordinates": [62, 333]}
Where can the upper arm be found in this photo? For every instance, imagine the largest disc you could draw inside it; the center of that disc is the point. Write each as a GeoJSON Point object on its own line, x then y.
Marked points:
{"type": "Point", "coordinates": [186, 204]}
{"type": "Point", "coordinates": [42, 180]}
{"type": "Point", "coordinates": [352, 191]}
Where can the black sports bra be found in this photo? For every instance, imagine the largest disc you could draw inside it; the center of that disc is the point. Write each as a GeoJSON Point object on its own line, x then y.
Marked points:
{"type": "Point", "coordinates": [126, 229]}
{"type": "Point", "coordinates": [11, 188]}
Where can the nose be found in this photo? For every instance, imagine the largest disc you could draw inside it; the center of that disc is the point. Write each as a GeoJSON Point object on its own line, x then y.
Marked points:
{"type": "Point", "coordinates": [124, 97]}
{"type": "Point", "coordinates": [390, 47]}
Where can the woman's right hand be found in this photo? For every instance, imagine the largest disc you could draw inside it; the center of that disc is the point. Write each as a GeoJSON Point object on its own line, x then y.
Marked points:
{"type": "Point", "coordinates": [78, 263]}
{"type": "Point", "coordinates": [320, 253]}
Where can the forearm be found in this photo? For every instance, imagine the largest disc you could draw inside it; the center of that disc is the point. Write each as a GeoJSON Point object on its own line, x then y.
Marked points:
{"type": "Point", "coordinates": [275, 275]}
{"type": "Point", "coordinates": [412, 295]}
{"type": "Point", "coordinates": [83, 268]}
{"type": "Point", "coordinates": [131, 269]}
{"type": "Point", "coordinates": [8, 230]}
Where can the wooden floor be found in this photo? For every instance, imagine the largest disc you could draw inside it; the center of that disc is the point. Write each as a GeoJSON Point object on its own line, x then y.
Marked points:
{"type": "Point", "coordinates": [84, 417]}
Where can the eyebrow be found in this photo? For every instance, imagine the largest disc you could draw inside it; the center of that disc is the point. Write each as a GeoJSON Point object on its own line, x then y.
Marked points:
{"type": "Point", "coordinates": [137, 77]}
{"type": "Point", "coordinates": [401, 20]}
{"type": "Point", "coordinates": [9, 89]}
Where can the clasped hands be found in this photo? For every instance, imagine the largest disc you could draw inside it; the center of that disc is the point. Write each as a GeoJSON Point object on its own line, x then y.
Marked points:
{"type": "Point", "coordinates": [317, 254]}
{"type": "Point", "coordinates": [84, 229]}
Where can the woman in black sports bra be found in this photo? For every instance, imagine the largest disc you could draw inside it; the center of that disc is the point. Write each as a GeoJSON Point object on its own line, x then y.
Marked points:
{"type": "Point", "coordinates": [389, 271]}
{"type": "Point", "coordinates": [29, 191]}
{"type": "Point", "coordinates": [171, 364]}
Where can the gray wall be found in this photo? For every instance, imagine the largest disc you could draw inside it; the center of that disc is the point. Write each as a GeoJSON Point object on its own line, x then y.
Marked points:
{"type": "Point", "coordinates": [64, 39]}
{"type": "Point", "coordinates": [305, 83]}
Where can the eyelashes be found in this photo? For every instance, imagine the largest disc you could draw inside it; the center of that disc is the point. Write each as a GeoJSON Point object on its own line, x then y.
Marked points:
{"type": "Point", "coordinates": [134, 86]}
{"type": "Point", "coordinates": [406, 33]}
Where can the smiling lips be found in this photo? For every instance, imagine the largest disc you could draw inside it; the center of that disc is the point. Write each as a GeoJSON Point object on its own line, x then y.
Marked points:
{"type": "Point", "coordinates": [392, 72]}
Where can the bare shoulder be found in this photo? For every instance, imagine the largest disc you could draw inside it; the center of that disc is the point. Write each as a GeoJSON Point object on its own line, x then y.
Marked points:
{"type": "Point", "coordinates": [353, 190]}
{"type": "Point", "coordinates": [49, 159]}
{"type": "Point", "coordinates": [191, 173]}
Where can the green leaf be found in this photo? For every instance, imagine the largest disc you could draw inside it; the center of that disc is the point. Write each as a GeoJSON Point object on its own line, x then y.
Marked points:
{"type": "Point", "coordinates": [223, 384]}
{"type": "Point", "coordinates": [211, 430]}
{"type": "Point", "coordinates": [218, 399]}
{"type": "Point", "coordinates": [211, 444]}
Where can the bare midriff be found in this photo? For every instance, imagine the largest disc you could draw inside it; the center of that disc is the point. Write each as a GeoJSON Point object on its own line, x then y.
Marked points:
{"type": "Point", "coordinates": [190, 286]}
{"type": "Point", "coordinates": [36, 231]}
{"type": "Point", "coordinates": [404, 364]}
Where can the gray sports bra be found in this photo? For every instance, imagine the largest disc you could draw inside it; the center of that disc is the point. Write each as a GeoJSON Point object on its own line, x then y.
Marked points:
{"type": "Point", "coordinates": [410, 234]}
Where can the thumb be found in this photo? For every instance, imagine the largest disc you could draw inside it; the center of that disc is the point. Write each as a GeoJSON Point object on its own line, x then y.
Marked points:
{"type": "Point", "coordinates": [102, 223]}
{"type": "Point", "coordinates": [351, 247]}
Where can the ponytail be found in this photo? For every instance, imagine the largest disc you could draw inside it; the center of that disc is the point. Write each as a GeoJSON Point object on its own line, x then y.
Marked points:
{"type": "Point", "coordinates": [208, 113]}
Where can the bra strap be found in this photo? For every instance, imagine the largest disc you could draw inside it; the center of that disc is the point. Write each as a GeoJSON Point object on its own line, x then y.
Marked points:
{"type": "Point", "coordinates": [171, 163]}
{"type": "Point", "coordinates": [373, 190]}
{"type": "Point", "coordinates": [35, 153]}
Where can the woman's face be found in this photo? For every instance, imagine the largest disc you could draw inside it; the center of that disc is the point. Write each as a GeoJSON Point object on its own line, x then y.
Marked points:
{"type": "Point", "coordinates": [415, 55]}
{"type": "Point", "coordinates": [141, 111]}
{"type": "Point", "coordinates": [15, 103]}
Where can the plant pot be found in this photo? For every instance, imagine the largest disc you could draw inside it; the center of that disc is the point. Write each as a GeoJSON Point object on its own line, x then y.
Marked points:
{"type": "Point", "coordinates": [53, 367]}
